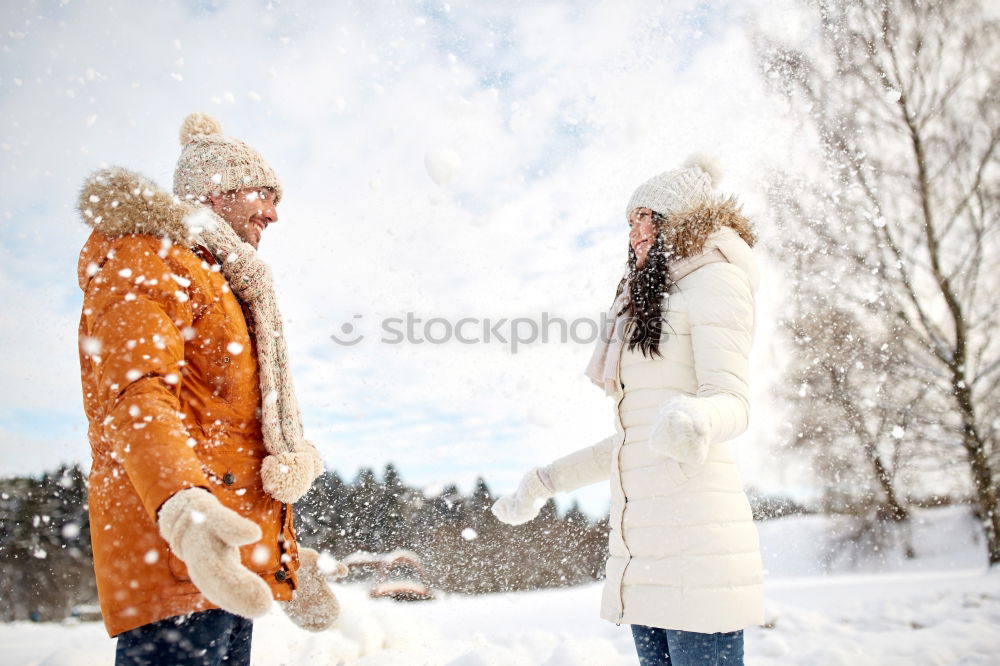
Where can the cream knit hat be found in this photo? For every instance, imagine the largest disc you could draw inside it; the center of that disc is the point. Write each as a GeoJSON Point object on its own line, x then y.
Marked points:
{"type": "Point", "coordinates": [678, 190]}
{"type": "Point", "coordinates": [211, 162]}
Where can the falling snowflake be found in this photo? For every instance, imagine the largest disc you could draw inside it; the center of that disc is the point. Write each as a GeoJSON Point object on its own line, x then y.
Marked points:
{"type": "Point", "coordinates": [90, 346]}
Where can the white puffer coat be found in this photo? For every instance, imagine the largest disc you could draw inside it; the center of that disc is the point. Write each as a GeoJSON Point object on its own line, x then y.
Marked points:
{"type": "Point", "coordinates": [683, 546]}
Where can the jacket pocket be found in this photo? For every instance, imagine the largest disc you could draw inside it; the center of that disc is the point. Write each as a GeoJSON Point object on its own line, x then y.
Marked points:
{"type": "Point", "coordinates": [235, 482]}
{"type": "Point", "coordinates": [240, 489]}
{"type": "Point", "coordinates": [226, 359]}
{"type": "Point", "coordinates": [679, 473]}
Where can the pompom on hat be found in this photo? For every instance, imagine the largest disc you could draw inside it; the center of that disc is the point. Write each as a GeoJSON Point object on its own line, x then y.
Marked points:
{"type": "Point", "coordinates": [680, 189]}
{"type": "Point", "coordinates": [212, 162]}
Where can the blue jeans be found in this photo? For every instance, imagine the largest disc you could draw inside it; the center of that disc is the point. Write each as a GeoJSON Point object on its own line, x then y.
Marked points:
{"type": "Point", "coordinates": [209, 638]}
{"type": "Point", "coordinates": [669, 647]}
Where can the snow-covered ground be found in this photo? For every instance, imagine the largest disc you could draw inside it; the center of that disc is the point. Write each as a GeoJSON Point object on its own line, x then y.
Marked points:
{"type": "Point", "coordinates": [941, 608]}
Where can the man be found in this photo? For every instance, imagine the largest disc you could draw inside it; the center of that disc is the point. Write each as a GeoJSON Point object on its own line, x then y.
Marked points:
{"type": "Point", "coordinates": [195, 433]}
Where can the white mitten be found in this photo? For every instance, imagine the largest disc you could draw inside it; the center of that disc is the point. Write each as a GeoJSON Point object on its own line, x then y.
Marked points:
{"type": "Point", "coordinates": [314, 606]}
{"type": "Point", "coordinates": [681, 431]}
{"type": "Point", "coordinates": [524, 504]}
{"type": "Point", "coordinates": [206, 536]}
{"type": "Point", "coordinates": [287, 476]}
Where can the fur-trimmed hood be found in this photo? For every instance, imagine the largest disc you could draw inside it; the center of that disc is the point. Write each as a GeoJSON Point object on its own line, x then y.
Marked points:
{"type": "Point", "coordinates": [718, 224]}
{"type": "Point", "coordinates": [118, 202]}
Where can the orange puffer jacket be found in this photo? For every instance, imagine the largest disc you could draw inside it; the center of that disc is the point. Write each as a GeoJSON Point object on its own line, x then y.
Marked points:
{"type": "Point", "coordinates": [170, 388]}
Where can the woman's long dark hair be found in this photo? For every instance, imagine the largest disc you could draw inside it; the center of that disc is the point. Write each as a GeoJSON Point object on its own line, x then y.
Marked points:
{"type": "Point", "coordinates": [647, 285]}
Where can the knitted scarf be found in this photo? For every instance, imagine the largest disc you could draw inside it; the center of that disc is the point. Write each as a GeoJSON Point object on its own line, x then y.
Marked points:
{"type": "Point", "coordinates": [294, 462]}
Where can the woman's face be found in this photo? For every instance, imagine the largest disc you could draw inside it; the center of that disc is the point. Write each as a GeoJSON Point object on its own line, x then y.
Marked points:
{"type": "Point", "coordinates": [641, 234]}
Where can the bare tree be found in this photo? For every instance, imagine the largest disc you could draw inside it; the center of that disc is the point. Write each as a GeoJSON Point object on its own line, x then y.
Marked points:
{"type": "Point", "coordinates": [902, 225]}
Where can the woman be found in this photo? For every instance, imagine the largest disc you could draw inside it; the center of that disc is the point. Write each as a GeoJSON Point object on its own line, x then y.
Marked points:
{"type": "Point", "coordinates": [684, 567]}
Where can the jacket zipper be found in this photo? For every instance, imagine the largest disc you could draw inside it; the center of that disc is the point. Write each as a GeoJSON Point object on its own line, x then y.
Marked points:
{"type": "Point", "coordinates": [282, 542]}
{"type": "Point", "coordinates": [621, 518]}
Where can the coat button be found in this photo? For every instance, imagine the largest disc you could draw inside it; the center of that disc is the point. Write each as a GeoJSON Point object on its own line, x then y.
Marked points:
{"type": "Point", "coordinates": [281, 575]}
{"type": "Point", "coordinates": [229, 479]}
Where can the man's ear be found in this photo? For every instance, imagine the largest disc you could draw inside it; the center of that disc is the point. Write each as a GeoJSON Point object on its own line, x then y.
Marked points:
{"type": "Point", "coordinates": [216, 199]}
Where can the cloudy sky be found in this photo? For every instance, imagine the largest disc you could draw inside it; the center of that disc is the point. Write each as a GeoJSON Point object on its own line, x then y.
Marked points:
{"type": "Point", "coordinates": [448, 160]}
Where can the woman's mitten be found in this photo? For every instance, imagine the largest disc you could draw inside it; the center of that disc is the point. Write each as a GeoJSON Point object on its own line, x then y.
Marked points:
{"type": "Point", "coordinates": [524, 504]}
{"type": "Point", "coordinates": [681, 431]}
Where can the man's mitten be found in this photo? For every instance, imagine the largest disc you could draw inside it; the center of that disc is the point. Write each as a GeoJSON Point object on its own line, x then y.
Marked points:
{"type": "Point", "coordinates": [314, 606]}
{"type": "Point", "coordinates": [206, 536]}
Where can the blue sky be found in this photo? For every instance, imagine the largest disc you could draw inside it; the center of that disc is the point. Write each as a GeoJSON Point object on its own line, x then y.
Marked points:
{"type": "Point", "coordinates": [552, 112]}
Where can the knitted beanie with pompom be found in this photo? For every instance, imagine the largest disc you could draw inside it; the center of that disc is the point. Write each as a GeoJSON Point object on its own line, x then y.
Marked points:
{"type": "Point", "coordinates": [680, 189]}
{"type": "Point", "coordinates": [212, 162]}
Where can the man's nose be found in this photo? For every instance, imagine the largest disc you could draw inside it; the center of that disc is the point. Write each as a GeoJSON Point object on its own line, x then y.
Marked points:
{"type": "Point", "coordinates": [270, 213]}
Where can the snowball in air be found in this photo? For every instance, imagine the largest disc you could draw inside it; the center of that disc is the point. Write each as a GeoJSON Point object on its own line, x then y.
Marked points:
{"type": "Point", "coordinates": [442, 165]}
